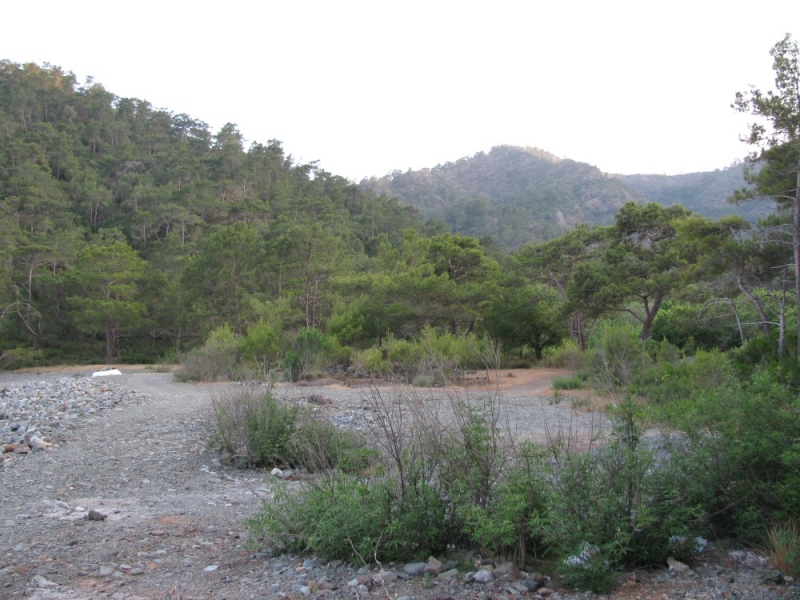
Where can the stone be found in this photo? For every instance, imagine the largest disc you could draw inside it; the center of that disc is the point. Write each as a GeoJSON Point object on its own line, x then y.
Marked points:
{"type": "Point", "coordinates": [676, 565]}
{"type": "Point", "coordinates": [508, 569]}
{"type": "Point", "coordinates": [38, 444]}
{"type": "Point", "coordinates": [385, 577]}
{"type": "Point", "coordinates": [211, 568]}
{"type": "Point", "coordinates": [433, 567]}
{"type": "Point", "coordinates": [60, 504]}
{"type": "Point", "coordinates": [311, 563]}
{"type": "Point", "coordinates": [447, 574]}
{"type": "Point", "coordinates": [42, 582]}
{"type": "Point", "coordinates": [484, 576]}
{"type": "Point", "coordinates": [545, 592]}
{"type": "Point", "coordinates": [95, 515]}
{"type": "Point", "coordinates": [105, 571]}
{"type": "Point", "coordinates": [415, 569]}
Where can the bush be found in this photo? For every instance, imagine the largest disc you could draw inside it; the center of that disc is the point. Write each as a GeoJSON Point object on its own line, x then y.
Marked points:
{"type": "Point", "coordinates": [350, 517]}
{"type": "Point", "coordinates": [568, 383]}
{"type": "Point", "coordinates": [216, 360]}
{"type": "Point", "coordinates": [617, 357]}
{"type": "Point", "coordinates": [566, 356]}
{"type": "Point", "coordinates": [783, 547]}
{"type": "Point", "coordinates": [258, 430]}
{"type": "Point", "coordinates": [20, 358]}
{"type": "Point", "coordinates": [308, 349]}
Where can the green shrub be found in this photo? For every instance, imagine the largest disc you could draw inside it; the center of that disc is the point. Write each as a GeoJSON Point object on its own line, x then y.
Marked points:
{"type": "Point", "coordinates": [347, 517]}
{"type": "Point", "coordinates": [617, 357]}
{"type": "Point", "coordinates": [258, 430]}
{"type": "Point", "coordinates": [216, 360]}
{"type": "Point", "coordinates": [568, 383]}
{"type": "Point", "coordinates": [370, 363]}
{"type": "Point", "coordinates": [566, 356]}
{"type": "Point", "coordinates": [20, 358]}
{"type": "Point", "coordinates": [309, 348]}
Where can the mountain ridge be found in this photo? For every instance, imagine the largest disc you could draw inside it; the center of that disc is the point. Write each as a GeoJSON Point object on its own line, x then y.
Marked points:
{"type": "Point", "coordinates": [519, 195]}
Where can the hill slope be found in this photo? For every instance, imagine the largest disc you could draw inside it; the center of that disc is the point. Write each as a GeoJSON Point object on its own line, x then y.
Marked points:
{"type": "Point", "coordinates": [515, 195]}
{"type": "Point", "coordinates": [520, 195]}
{"type": "Point", "coordinates": [705, 192]}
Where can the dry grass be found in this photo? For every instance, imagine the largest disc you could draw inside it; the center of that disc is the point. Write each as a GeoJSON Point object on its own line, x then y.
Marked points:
{"type": "Point", "coordinates": [783, 547]}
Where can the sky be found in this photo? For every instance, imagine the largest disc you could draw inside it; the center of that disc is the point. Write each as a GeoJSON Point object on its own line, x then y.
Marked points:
{"type": "Point", "coordinates": [366, 88]}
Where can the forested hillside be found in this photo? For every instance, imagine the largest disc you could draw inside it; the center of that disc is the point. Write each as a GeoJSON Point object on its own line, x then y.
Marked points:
{"type": "Point", "coordinates": [705, 192]}
{"type": "Point", "coordinates": [514, 195]}
{"type": "Point", "coordinates": [526, 195]}
{"type": "Point", "coordinates": [107, 203]}
{"type": "Point", "coordinates": [131, 233]}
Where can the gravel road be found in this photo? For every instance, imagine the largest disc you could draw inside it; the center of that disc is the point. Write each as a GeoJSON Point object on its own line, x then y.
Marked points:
{"type": "Point", "coordinates": [170, 516]}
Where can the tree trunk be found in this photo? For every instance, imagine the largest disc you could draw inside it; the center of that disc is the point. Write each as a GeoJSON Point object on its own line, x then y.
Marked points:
{"type": "Point", "coordinates": [796, 244]}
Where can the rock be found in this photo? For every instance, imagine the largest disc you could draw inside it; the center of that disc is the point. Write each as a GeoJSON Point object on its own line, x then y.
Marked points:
{"type": "Point", "coordinates": [318, 399]}
{"type": "Point", "coordinates": [384, 577]}
{"type": "Point", "coordinates": [545, 592]}
{"type": "Point", "coordinates": [434, 567]}
{"type": "Point", "coordinates": [38, 444]}
{"type": "Point", "coordinates": [469, 577]}
{"type": "Point", "coordinates": [530, 584]}
{"type": "Point", "coordinates": [106, 373]}
{"type": "Point", "coordinates": [415, 569]}
{"type": "Point", "coordinates": [311, 563]}
{"type": "Point", "coordinates": [676, 565]}
{"type": "Point", "coordinates": [42, 582]}
{"type": "Point", "coordinates": [483, 576]}
{"type": "Point", "coordinates": [137, 571]}
{"type": "Point", "coordinates": [276, 472]}
{"type": "Point", "coordinates": [94, 515]}
{"type": "Point", "coordinates": [447, 574]}
{"type": "Point", "coordinates": [508, 569]}
{"type": "Point", "coordinates": [60, 504]}
{"type": "Point", "coordinates": [211, 568]}
{"type": "Point", "coordinates": [105, 571]}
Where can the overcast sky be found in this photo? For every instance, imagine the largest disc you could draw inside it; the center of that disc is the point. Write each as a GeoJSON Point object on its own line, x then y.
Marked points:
{"type": "Point", "coordinates": [368, 87]}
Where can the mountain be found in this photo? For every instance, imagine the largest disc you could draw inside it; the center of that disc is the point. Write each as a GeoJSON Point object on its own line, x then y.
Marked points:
{"type": "Point", "coordinates": [520, 195]}
{"type": "Point", "coordinates": [705, 192]}
{"type": "Point", "coordinates": [515, 195]}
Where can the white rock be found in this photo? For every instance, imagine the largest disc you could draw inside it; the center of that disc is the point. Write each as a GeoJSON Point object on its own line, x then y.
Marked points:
{"type": "Point", "coordinates": [211, 568]}
{"type": "Point", "coordinates": [43, 582]}
{"type": "Point", "coordinates": [676, 565]}
{"type": "Point", "coordinates": [106, 372]}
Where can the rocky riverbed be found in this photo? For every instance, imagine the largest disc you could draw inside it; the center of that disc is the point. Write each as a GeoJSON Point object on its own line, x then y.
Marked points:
{"type": "Point", "coordinates": [130, 503]}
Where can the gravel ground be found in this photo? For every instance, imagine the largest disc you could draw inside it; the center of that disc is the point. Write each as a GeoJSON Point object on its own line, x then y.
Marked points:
{"type": "Point", "coordinates": [169, 516]}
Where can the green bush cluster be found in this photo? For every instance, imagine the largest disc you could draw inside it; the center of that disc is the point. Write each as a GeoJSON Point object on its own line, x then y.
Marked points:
{"type": "Point", "coordinates": [470, 485]}
{"type": "Point", "coordinates": [226, 356]}
{"type": "Point", "coordinates": [435, 358]}
{"type": "Point", "coordinates": [255, 429]}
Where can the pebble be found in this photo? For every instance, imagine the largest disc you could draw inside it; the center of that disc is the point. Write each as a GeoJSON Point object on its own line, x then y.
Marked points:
{"type": "Point", "coordinates": [36, 414]}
